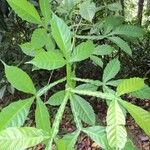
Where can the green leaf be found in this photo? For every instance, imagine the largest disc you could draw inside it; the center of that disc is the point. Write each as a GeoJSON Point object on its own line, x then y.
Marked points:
{"type": "Point", "coordinates": [29, 50]}
{"type": "Point", "coordinates": [103, 50]}
{"type": "Point", "coordinates": [82, 51]}
{"type": "Point", "coordinates": [116, 132]}
{"type": "Point", "coordinates": [130, 85]}
{"type": "Point", "coordinates": [15, 114]}
{"type": "Point", "coordinates": [122, 44]}
{"type": "Point", "coordinates": [114, 82]}
{"type": "Point", "coordinates": [21, 138]}
{"type": "Point", "coordinates": [114, 7]}
{"type": "Point", "coordinates": [25, 10]}
{"type": "Point", "coordinates": [84, 109]}
{"type": "Point", "coordinates": [111, 70]}
{"type": "Point", "coordinates": [48, 60]}
{"type": "Point", "coordinates": [50, 44]}
{"type": "Point", "coordinates": [42, 122]}
{"type": "Point", "coordinates": [62, 35]}
{"type": "Point", "coordinates": [141, 116]}
{"type": "Point", "coordinates": [67, 142]}
{"type": "Point", "coordinates": [39, 38]}
{"type": "Point", "coordinates": [56, 99]}
{"type": "Point", "coordinates": [19, 79]}
{"type": "Point", "coordinates": [129, 30]}
{"type": "Point", "coordinates": [46, 10]}
{"type": "Point", "coordinates": [97, 61]}
{"type": "Point", "coordinates": [86, 87]}
{"type": "Point", "coordinates": [130, 146]}
{"type": "Point", "coordinates": [143, 93]}
{"type": "Point", "coordinates": [98, 135]}
{"type": "Point", "coordinates": [87, 10]}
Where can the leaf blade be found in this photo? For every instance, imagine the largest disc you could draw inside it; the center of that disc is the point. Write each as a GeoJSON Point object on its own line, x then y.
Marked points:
{"type": "Point", "coordinates": [21, 138]}
{"type": "Point", "coordinates": [15, 114]}
{"type": "Point", "coordinates": [42, 122]}
{"type": "Point", "coordinates": [111, 70]}
{"type": "Point", "coordinates": [19, 79]}
{"type": "Point", "coordinates": [25, 10]}
{"type": "Point", "coordinates": [48, 60]}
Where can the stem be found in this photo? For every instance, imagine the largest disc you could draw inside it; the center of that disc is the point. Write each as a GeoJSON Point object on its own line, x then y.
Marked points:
{"type": "Point", "coordinates": [46, 88]}
{"type": "Point", "coordinates": [99, 94]}
{"type": "Point", "coordinates": [61, 109]}
{"type": "Point", "coordinates": [94, 82]}
{"type": "Point", "coordinates": [57, 120]}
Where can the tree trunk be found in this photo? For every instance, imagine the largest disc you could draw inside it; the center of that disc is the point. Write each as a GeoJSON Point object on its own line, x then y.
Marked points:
{"type": "Point", "coordinates": [148, 7]}
{"type": "Point", "coordinates": [140, 11]}
{"type": "Point", "coordinates": [123, 7]}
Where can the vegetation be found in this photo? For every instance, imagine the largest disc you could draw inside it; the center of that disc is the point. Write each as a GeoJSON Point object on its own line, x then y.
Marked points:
{"type": "Point", "coordinates": [65, 35]}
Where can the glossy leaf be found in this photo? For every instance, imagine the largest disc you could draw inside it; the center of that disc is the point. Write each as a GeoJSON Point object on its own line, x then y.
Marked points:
{"type": "Point", "coordinates": [19, 79]}
{"type": "Point", "coordinates": [15, 114]}
{"type": "Point", "coordinates": [87, 10]}
{"type": "Point", "coordinates": [21, 138]}
{"type": "Point", "coordinates": [82, 51]}
{"type": "Point", "coordinates": [141, 116]}
{"type": "Point", "coordinates": [39, 38]}
{"type": "Point", "coordinates": [116, 132]}
{"type": "Point", "coordinates": [122, 44]}
{"type": "Point", "coordinates": [103, 50]}
{"type": "Point", "coordinates": [56, 99]}
{"type": "Point", "coordinates": [111, 70]}
{"type": "Point", "coordinates": [84, 109]}
{"type": "Point", "coordinates": [46, 10]}
{"type": "Point", "coordinates": [62, 34]}
{"type": "Point", "coordinates": [48, 60]}
{"type": "Point", "coordinates": [25, 10]}
{"type": "Point", "coordinates": [42, 117]}
{"type": "Point", "coordinates": [130, 85]}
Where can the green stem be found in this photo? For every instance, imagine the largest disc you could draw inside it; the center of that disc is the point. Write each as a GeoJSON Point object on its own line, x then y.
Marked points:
{"type": "Point", "coordinates": [99, 94]}
{"type": "Point", "coordinates": [57, 120]}
{"type": "Point", "coordinates": [61, 109]}
{"type": "Point", "coordinates": [46, 88]}
{"type": "Point", "coordinates": [94, 82]}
